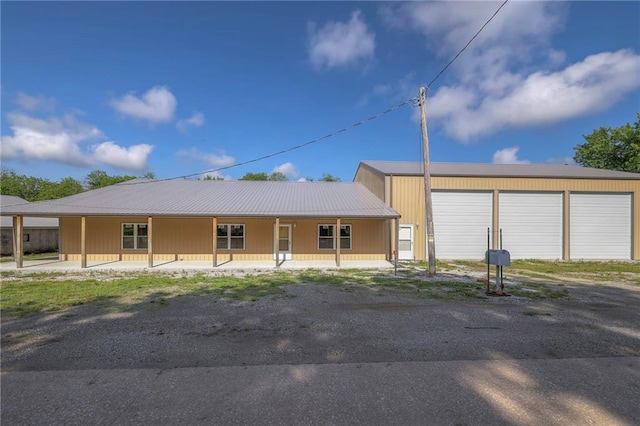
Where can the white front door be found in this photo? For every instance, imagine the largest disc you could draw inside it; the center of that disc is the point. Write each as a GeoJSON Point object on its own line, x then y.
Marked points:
{"type": "Point", "coordinates": [284, 242]}
{"type": "Point", "coordinates": [405, 242]}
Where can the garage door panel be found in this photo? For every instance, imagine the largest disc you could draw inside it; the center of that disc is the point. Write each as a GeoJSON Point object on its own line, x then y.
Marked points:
{"type": "Point", "coordinates": [600, 226]}
{"type": "Point", "coordinates": [460, 221]}
{"type": "Point", "coordinates": [531, 224]}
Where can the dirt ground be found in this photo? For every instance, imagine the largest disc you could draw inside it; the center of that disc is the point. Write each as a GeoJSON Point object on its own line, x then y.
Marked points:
{"type": "Point", "coordinates": [315, 324]}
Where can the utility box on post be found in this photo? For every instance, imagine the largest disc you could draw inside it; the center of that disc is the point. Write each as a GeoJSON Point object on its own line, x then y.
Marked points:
{"type": "Point", "coordinates": [498, 257]}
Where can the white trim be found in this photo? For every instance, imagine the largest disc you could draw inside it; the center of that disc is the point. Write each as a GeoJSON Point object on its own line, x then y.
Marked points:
{"type": "Point", "coordinates": [135, 235]}
{"type": "Point", "coordinates": [287, 254]}
{"type": "Point", "coordinates": [229, 237]}
{"type": "Point", "coordinates": [334, 236]}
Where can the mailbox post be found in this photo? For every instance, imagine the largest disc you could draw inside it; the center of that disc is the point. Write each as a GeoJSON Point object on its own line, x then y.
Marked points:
{"type": "Point", "coordinates": [499, 258]}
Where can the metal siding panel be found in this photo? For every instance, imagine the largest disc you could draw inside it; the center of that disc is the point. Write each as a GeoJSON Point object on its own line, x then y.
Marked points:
{"type": "Point", "coordinates": [461, 220]}
{"type": "Point", "coordinates": [531, 224]}
{"type": "Point", "coordinates": [600, 226]}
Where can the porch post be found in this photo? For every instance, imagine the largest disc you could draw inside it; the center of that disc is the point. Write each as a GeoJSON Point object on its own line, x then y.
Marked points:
{"type": "Point", "coordinates": [396, 241]}
{"type": "Point", "coordinates": [276, 242]}
{"type": "Point", "coordinates": [83, 242]}
{"type": "Point", "coordinates": [18, 255]}
{"type": "Point", "coordinates": [338, 242]}
{"type": "Point", "coordinates": [150, 241]}
{"type": "Point", "coordinates": [14, 234]}
{"type": "Point", "coordinates": [214, 235]}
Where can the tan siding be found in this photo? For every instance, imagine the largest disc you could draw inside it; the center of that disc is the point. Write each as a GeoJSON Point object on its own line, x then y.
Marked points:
{"type": "Point", "coordinates": [191, 239]}
{"type": "Point", "coordinates": [373, 180]}
{"type": "Point", "coordinates": [408, 196]}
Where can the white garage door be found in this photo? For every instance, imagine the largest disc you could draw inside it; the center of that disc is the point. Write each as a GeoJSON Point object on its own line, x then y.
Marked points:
{"type": "Point", "coordinates": [460, 221]}
{"type": "Point", "coordinates": [531, 224]}
{"type": "Point", "coordinates": [600, 226]}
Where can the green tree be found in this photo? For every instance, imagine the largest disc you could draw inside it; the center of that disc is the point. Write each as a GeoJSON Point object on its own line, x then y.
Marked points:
{"type": "Point", "coordinates": [22, 186]}
{"type": "Point", "coordinates": [99, 179]}
{"type": "Point", "coordinates": [275, 176]}
{"type": "Point", "coordinates": [66, 187]}
{"type": "Point", "coordinates": [327, 177]}
{"type": "Point", "coordinates": [611, 148]}
{"type": "Point", "coordinates": [278, 176]}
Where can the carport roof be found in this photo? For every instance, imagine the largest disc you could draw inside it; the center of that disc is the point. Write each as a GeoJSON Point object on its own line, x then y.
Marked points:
{"type": "Point", "coordinates": [146, 197]}
{"type": "Point", "coordinates": [405, 168]}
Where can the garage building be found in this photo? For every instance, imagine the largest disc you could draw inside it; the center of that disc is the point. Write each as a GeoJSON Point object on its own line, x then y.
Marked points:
{"type": "Point", "coordinates": [544, 211]}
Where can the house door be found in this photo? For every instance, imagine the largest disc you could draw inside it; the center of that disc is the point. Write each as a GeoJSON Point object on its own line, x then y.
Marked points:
{"type": "Point", "coordinates": [284, 242]}
{"type": "Point", "coordinates": [405, 242]}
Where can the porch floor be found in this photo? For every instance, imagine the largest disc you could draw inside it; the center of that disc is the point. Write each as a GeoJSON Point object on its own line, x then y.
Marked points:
{"type": "Point", "coordinates": [55, 265]}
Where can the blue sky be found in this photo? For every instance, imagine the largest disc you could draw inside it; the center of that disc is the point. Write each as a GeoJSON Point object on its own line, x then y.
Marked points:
{"type": "Point", "coordinates": [180, 88]}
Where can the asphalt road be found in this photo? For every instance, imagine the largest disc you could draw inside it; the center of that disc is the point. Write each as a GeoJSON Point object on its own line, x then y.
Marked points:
{"type": "Point", "coordinates": [326, 355]}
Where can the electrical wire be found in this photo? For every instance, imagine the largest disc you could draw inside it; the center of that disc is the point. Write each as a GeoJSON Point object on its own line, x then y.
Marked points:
{"type": "Point", "coordinates": [466, 45]}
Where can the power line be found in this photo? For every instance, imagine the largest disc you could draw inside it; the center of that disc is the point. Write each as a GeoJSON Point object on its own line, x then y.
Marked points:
{"type": "Point", "coordinates": [466, 45]}
{"type": "Point", "coordinates": [412, 101]}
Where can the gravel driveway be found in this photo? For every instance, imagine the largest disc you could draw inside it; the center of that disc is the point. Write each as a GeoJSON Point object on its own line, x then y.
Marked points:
{"type": "Point", "coordinates": [318, 324]}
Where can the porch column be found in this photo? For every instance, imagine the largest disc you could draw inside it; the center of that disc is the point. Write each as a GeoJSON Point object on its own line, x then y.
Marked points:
{"type": "Point", "coordinates": [338, 242]}
{"type": "Point", "coordinates": [396, 240]}
{"type": "Point", "coordinates": [150, 241]}
{"type": "Point", "coordinates": [18, 255]}
{"type": "Point", "coordinates": [276, 242]}
{"type": "Point", "coordinates": [83, 242]}
{"type": "Point", "coordinates": [215, 241]}
{"type": "Point", "coordinates": [14, 234]}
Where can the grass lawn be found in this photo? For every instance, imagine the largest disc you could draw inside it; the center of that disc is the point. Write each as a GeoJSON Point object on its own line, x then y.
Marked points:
{"type": "Point", "coordinates": [34, 256]}
{"type": "Point", "coordinates": [28, 293]}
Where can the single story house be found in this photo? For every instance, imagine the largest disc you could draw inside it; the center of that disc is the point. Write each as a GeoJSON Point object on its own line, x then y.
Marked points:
{"type": "Point", "coordinates": [40, 234]}
{"type": "Point", "coordinates": [544, 211]}
{"type": "Point", "coordinates": [216, 221]}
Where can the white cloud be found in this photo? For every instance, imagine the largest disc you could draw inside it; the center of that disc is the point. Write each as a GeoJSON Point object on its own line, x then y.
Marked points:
{"type": "Point", "coordinates": [196, 120]}
{"type": "Point", "coordinates": [302, 179]}
{"type": "Point", "coordinates": [60, 139]}
{"type": "Point", "coordinates": [508, 156]}
{"type": "Point", "coordinates": [131, 158]}
{"type": "Point", "coordinates": [582, 88]}
{"type": "Point", "coordinates": [221, 160]}
{"type": "Point", "coordinates": [287, 169]}
{"type": "Point", "coordinates": [32, 103]}
{"type": "Point", "coordinates": [339, 44]}
{"type": "Point", "coordinates": [157, 105]}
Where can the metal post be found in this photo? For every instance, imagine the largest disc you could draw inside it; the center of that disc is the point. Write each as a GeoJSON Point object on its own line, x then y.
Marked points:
{"type": "Point", "coordinates": [487, 259]}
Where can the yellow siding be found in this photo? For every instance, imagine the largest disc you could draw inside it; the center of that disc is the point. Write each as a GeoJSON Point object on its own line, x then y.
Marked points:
{"type": "Point", "coordinates": [407, 197]}
{"type": "Point", "coordinates": [191, 239]}
{"type": "Point", "coordinates": [371, 179]}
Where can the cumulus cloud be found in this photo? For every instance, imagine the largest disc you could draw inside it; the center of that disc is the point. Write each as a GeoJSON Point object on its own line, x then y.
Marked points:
{"type": "Point", "coordinates": [131, 158]}
{"type": "Point", "coordinates": [586, 87]}
{"type": "Point", "coordinates": [33, 103]}
{"type": "Point", "coordinates": [287, 169]}
{"type": "Point", "coordinates": [156, 105]}
{"type": "Point", "coordinates": [339, 44]}
{"type": "Point", "coordinates": [196, 120]}
{"type": "Point", "coordinates": [214, 160]}
{"type": "Point", "coordinates": [508, 156]}
{"type": "Point", "coordinates": [60, 140]}
{"type": "Point", "coordinates": [510, 76]}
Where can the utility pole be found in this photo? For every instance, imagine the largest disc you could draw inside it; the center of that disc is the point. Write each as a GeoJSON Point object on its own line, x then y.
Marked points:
{"type": "Point", "coordinates": [431, 243]}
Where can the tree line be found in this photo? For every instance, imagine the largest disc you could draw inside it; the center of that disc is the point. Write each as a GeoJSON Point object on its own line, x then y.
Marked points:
{"type": "Point", "coordinates": [33, 188]}
{"type": "Point", "coordinates": [615, 148]}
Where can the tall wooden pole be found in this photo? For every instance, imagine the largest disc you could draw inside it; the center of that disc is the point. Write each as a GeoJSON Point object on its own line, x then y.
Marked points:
{"type": "Point", "coordinates": [431, 244]}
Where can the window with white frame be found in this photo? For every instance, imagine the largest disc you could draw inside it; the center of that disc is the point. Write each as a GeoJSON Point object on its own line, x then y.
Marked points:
{"type": "Point", "coordinates": [230, 237]}
{"type": "Point", "coordinates": [135, 236]}
{"type": "Point", "coordinates": [327, 237]}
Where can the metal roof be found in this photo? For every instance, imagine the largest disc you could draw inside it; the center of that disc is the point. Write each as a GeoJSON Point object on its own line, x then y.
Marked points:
{"type": "Point", "coordinates": [29, 222]}
{"type": "Point", "coordinates": [216, 198]}
{"type": "Point", "coordinates": [399, 168]}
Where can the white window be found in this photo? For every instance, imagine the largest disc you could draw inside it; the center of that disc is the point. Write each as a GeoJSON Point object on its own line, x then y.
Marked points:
{"type": "Point", "coordinates": [135, 236]}
{"type": "Point", "coordinates": [230, 237]}
{"type": "Point", "coordinates": [327, 237]}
